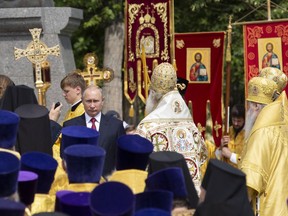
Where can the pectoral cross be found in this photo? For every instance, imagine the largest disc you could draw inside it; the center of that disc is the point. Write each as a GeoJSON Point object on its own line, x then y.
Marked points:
{"type": "Point", "coordinates": [216, 128]}
{"type": "Point", "coordinates": [37, 52]}
{"type": "Point", "coordinates": [93, 75]}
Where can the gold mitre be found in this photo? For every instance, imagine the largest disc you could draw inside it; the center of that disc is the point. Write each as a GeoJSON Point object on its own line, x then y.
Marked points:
{"type": "Point", "coordinates": [164, 78]}
{"type": "Point", "coordinates": [133, 178]}
{"type": "Point", "coordinates": [276, 75]}
{"type": "Point", "coordinates": [261, 90]}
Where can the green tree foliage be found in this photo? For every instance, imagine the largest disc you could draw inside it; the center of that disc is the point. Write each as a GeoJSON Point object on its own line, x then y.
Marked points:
{"type": "Point", "coordinates": [98, 14]}
{"type": "Point", "coordinates": [190, 16]}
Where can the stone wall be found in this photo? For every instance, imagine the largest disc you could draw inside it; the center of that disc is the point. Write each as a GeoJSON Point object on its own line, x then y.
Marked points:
{"type": "Point", "coordinates": [57, 26]}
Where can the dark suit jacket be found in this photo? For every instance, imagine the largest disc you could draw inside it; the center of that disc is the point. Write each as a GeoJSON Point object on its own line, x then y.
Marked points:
{"type": "Point", "coordinates": [109, 131]}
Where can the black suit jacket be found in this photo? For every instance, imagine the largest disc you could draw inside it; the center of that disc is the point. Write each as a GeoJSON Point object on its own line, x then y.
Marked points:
{"type": "Point", "coordinates": [110, 129]}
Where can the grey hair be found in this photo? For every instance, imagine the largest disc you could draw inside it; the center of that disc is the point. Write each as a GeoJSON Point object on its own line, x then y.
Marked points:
{"type": "Point", "coordinates": [93, 87]}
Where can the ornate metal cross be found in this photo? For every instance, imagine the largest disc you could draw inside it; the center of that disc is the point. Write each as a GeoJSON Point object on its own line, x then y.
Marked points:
{"type": "Point", "coordinates": [37, 52]}
{"type": "Point", "coordinates": [93, 75]}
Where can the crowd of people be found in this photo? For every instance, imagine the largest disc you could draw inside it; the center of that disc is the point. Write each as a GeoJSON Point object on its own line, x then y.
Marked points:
{"type": "Point", "coordinates": [96, 164]}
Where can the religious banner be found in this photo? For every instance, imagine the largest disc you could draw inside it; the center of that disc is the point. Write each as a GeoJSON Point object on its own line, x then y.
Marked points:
{"type": "Point", "coordinates": [199, 59]}
{"type": "Point", "coordinates": [265, 45]}
{"type": "Point", "coordinates": [148, 26]}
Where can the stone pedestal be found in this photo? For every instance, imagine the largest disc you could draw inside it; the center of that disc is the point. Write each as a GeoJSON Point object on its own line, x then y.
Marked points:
{"type": "Point", "coordinates": [57, 25]}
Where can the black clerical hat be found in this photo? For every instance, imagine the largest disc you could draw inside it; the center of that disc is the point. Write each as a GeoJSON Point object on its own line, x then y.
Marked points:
{"type": "Point", "coordinates": [16, 96]}
{"type": "Point", "coordinates": [34, 132]}
{"type": "Point", "coordinates": [226, 191]}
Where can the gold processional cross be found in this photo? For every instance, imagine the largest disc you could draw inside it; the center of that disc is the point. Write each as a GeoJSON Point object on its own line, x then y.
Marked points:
{"type": "Point", "coordinates": [37, 53]}
{"type": "Point", "coordinates": [91, 74]}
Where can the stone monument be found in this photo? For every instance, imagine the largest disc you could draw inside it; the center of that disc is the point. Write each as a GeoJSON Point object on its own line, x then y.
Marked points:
{"type": "Point", "coordinates": [57, 24]}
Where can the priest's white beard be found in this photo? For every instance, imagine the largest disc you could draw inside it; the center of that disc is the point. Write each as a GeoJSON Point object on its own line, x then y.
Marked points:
{"type": "Point", "coordinates": [251, 117]}
{"type": "Point", "coordinates": [152, 101]}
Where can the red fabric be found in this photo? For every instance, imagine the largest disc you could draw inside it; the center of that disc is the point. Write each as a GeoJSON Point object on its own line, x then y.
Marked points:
{"type": "Point", "coordinates": [93, 120]}
{"type": "Point", "coordinates": [256, 36]}
{"type": "Point", "coordinates": [201, 91]}
{"type": "Point", "coordinates": [158, 28]}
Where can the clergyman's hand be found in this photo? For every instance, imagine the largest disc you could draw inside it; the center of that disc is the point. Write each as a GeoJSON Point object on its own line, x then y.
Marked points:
{"type": "Point", "coordinates": [226, 152]}
{"type": "Point", "coordinates": [225, 140]}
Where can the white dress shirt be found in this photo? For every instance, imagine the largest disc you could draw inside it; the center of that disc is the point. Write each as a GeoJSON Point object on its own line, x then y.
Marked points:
{"type": "Point", "coordinates": [89, 123]}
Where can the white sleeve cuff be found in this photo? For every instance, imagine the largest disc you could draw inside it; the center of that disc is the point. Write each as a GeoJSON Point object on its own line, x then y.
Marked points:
{"type": "Point", "coordinates": [218, 154]}
{"type": "Point", "coordinates": [233, 158]}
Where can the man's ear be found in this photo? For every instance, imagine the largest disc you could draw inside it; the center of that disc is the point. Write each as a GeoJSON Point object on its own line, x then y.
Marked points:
{"type": "Point", "coordinates": [275, 95]}
{"type": "Point", "coordinates": [78, 89]}
{"type": "Point", "coordinates": [256, 106]}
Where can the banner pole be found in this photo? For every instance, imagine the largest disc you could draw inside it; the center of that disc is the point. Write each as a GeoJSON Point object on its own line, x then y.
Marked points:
{"type": "Point", "coordinates": [228, 75]}
{"type": "Point", "coordinates": [268, 10]}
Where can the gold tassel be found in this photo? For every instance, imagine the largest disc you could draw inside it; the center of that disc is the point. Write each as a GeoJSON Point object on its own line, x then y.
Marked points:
{"type": "Point", "coordinates": [154, 64]}
{"type": "Point", "coordinates": [174, 65]}
{"type": "Point", "coordinates": [131, 111]}
{"type": "Point", "coordinates": [190, 108]}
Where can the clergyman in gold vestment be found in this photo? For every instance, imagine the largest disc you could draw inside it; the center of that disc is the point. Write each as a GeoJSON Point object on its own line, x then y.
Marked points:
{"type": "Point", "coordinates": [264, 158]}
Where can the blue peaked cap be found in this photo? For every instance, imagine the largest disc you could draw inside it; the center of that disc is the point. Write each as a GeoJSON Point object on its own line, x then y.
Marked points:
{"type": "Point", "coordinates": [75, 204]}
{"type": "Point", "coordinates": [9, 169]}
{"type": "Point", "coordinates": [160, 199]}
{"type": "Point", "coordinates": [11, 208]}
{"type": "Point", "coordinates": [170, 179]}
{"type": "Point", "coordinates": [84, 163]}
{"type": "Point", "coordinates": [133, 152]}
{"type": "Point", "coordinates": [72, 135]}
{"type": "Point", "coordinates": [44, 165]}
{"type": "Point", "coordinates": [9, 123]}
{"type": "Point", "coordinates": [112, 198]}
{"type": "Point", "coordinates": [27, 186]}
{"type": "Point", "coordinates": [152, 212]}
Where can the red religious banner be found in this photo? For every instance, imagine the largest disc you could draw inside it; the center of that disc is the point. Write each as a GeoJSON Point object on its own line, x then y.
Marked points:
{"type": "Point", "coordinates": [199, 58]}
{"type": "Point", "coordinates": [265, 45]}
{"type": "Point", "coordinates": [148, 26]}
